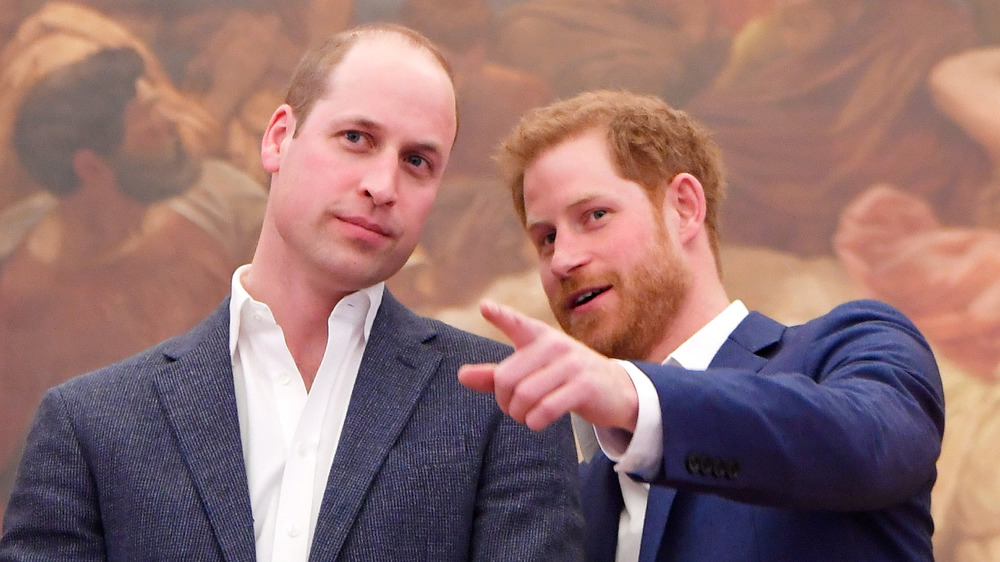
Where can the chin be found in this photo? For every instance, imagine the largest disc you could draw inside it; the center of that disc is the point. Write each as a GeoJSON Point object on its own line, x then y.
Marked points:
{"type": "Point", "coordinates": [587, 330]}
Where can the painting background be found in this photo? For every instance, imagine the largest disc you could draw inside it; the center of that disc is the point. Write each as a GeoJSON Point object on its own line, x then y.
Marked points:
{"type": "Point", "coordinates": [862, 140]}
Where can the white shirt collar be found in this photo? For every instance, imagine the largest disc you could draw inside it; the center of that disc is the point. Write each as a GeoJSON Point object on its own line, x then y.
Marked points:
{"type": "Point", "coordinates": [368, 299]}
{"type": "Point", "coordinates": [697, 352]}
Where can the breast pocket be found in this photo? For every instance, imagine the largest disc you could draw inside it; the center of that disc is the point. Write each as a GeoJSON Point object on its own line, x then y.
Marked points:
{"type": "Point", "coordinates": [429, 487]}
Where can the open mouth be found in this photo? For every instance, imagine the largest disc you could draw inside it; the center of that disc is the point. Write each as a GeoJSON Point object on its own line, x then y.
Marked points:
{"type": "Point", "coordinates": [587, 296]}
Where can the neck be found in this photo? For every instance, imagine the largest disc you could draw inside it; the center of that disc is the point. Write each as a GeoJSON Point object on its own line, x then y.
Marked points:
{"type": "Point", "coordinates": [92, 225]}
{"type": "Point", "coordinates": [706, 299]}
{"type": "Point", "coordinates": [693, 315]}
{"type": "Point", "coordinates": [300, 301]}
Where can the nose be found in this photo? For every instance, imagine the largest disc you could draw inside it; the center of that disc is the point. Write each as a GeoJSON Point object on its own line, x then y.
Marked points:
{"type": "Point", "coordinates": [568, 254]}
{"type": "Point", "coordinates": [381, 181]}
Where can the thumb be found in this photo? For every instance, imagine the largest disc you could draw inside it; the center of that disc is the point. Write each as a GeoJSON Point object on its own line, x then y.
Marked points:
{"type": "Point", "coordinates": [521, 329]}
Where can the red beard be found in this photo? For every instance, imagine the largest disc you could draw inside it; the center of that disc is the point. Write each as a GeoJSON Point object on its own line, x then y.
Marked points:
{"type": "Point", "coordinates": [649, 296]}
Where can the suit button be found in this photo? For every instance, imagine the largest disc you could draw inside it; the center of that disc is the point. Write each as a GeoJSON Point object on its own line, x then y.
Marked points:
{"type": "Point", "coordinates": [718, 468]}
{"type": "Point", "coordinates": [693, 464]}
{"type": "Point", "coordinates": [732, 470]}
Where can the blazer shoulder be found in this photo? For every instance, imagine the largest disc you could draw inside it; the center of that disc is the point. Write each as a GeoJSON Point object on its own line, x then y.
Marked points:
{"type": "Point", "coordinates": [457, 337]}
{"type": "Point", "coordinates": [870, 315]}
{"type": "Point", "coordinates": [868, 307]}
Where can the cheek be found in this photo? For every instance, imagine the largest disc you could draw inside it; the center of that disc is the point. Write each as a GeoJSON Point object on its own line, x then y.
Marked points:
{"type": "Point", "coordinates": [550, 284]}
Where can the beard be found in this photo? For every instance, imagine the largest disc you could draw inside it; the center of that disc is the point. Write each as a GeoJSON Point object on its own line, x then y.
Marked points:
{"type": "Point", "coordinates": [153, 177]}
{"type": "Point", "coordinates": [650, 294]}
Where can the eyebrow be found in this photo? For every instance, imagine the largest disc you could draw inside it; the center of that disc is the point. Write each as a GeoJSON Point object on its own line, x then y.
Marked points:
{"type": "Point", "coordinates": [359, 122]}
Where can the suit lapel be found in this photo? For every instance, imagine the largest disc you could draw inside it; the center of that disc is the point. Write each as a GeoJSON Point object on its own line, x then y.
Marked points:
{"type": "Point", "coordinates": [658, 506]}
{"type": "Point", "coordinates": [394, 372]}
{"type": "Point", "coordinates": [197, 394]}
{"type": "Point", "coordinates": [747, 346]}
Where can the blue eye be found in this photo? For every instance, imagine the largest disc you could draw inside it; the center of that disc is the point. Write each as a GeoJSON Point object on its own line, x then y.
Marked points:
{"type": "Point", "coordinates": [354, 136]}
{"type": "Point", "coordinates": [416, 161]}
{"type": "Point", "coordinates": [598, 213]}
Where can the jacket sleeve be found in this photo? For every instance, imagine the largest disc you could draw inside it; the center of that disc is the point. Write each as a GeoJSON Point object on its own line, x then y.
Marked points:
{"type": "Point", "coordinates": [53, 512]}
{"type": "Point", "coordinates": [847, 413]}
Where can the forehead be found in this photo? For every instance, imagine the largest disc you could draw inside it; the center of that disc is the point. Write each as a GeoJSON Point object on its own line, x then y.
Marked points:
{"type": "Point", "coordinates": [573, 162]}
{"type": "Point", "coordinates": [390, 78]}
{"type": "Point", "coordinates": [576, 170]}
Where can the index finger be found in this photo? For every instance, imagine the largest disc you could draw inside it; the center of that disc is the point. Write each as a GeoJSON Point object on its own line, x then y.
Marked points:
{"type": "Point", "coordinates": [521, 329]}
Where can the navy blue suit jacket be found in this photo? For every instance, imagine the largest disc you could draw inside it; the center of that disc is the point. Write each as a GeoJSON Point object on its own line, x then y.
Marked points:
{"type": "Point", "coordinates": [143, 461]}
{"type": "Point", "coordinates": [813, 442]}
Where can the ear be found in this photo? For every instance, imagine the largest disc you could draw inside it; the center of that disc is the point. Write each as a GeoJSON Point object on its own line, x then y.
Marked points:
{"type": "Point", "coordinates": [280, 129]}
{"type": "Point", "coordinates": [91, 168]}
{"type": "Point", "coordinates": [686, 196]}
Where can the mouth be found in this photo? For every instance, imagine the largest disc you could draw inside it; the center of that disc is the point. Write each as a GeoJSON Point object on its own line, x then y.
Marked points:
{"type": "Point", "coordinates": [369, 226]}
{"type": "Point", "coordinates": [584, 297]}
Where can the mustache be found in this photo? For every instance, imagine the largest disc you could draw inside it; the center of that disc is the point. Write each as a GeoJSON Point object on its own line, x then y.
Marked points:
{"type": "Point", "coordinates": [572, 285]}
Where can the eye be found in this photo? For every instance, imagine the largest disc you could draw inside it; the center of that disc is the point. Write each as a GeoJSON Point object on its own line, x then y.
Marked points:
{"type": "Point", "coordinates": [416, 161]}
{"type": "Point", "coordinates": [547, 239]}
{"type": "Point", "coordinates": [594, 216]}
{"type": "Point", "coordinates": [354, 136]}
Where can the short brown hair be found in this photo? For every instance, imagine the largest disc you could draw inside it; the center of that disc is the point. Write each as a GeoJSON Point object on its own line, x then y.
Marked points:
{"type": "Point", "coordinates": [650, 142]}
{"type": "Point", "coordinates": [311, 75]}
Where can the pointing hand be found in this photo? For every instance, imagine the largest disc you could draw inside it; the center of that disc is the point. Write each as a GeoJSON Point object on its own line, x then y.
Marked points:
{"type": "Point", "coordinates": [550, 374]}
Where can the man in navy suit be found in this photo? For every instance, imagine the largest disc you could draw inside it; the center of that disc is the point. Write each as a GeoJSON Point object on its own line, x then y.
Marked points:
{"type": "Point", "coordinates": [725, 435]}
{"type": "Point", "coordinates": [312, 416]}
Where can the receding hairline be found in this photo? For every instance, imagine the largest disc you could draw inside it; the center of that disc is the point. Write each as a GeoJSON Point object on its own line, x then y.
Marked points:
{"type": "Point", "coordinates": [386, 37]}
{"type": "Point", "coordinates": [328, 57]}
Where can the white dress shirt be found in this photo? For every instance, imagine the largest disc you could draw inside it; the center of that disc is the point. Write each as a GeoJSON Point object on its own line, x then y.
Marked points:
{"type": "Point", "coordinates": [642, 451]}
{"type": "Point", "coordinates": [289, 435]}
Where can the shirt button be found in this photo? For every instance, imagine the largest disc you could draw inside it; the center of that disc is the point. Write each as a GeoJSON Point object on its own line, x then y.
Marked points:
{"type": "Point", "coordinates": [303, 449]}
{"type": "Point", "coordinates": [258, 316]}
{"type": "Point", "coordinates": [284, 379]}
{"type": "Point", "coordinates": [293, 531]}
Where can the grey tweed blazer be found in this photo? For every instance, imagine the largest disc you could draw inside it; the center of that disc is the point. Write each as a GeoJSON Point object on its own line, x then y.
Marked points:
{"type": "Point", "coordinates": [142, 460]}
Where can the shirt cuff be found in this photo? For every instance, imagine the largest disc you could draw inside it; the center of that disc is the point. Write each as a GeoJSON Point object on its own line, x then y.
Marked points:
{"type": "Point", "coordinates": [637, 452]}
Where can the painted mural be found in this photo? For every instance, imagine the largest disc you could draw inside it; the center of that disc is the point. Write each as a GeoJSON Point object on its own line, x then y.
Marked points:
{"type": "Point", "coordinates": [862, 140]}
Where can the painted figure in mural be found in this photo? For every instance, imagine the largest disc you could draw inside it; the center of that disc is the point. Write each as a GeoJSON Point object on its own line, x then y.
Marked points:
{"type": "Point", "coordinates": [728, 436]}
{"type": "Point", "coordinates": [232, 58]}
{"type": "Point", "coordinates": [311, 416]}
{"type": "Point", "coordinates": [945, 277]}
{"type": "Point", "coordinates": [54, 285]}
{"type": "Point", "coordinates": [823, 98]}
{"type": "Point", "coordinates": [59, 34]}
{"type": "Point", "coordinates": [111, 269]}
